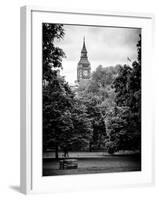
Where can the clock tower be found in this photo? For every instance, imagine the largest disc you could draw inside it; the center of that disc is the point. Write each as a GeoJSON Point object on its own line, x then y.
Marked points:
{"type": "Point", "coordinates": [83, 67]}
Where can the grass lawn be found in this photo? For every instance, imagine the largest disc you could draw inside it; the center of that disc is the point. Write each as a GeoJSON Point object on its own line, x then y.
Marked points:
{"type": "Point", "coordinates": [105, 164]}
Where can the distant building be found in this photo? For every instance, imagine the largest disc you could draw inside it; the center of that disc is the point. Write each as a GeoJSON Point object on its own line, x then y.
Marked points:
{"type": "Point", "coordinates": [83, 67]}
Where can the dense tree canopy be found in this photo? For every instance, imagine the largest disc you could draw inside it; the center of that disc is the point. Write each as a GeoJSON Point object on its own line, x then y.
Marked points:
{"type": "Point", "coordinates": [103, 114]}
{"type": "Point", "coordinates": [52, 55]}
{"type": "Point", "coordinates": [125, 125]}
{"type": "Point", "coordinates": [98, 96]}
{"type": "Point", "coordinates": [65, 121]}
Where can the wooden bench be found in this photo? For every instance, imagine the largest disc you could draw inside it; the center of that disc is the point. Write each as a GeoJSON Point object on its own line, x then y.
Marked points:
{"type": "Point", "coordinates": [68, 164]}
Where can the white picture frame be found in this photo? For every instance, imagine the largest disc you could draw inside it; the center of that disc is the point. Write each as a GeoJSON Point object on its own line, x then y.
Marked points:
{"type": "Point", "coordinates": [31, 101]}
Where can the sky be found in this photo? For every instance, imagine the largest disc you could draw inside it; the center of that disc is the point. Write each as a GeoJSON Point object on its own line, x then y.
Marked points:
{"type": "Point", "coordinates": [106, 46]}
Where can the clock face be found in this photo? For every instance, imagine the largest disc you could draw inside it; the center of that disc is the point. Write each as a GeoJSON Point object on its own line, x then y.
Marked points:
{"type": "Point", "coordinates": [85, 73]}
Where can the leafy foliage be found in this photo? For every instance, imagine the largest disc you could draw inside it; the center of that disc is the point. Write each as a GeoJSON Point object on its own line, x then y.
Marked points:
{"type": "Point", "coordinates": [82, 131]}
{"type": "Point", "coordinates": [57, 96]}
{"type": "Point", "coordinates": [98, 97]}
{"type": "Point", "coordinates": [65, 121]}
{"type": "Point", "coordinates": [125, 125]}
{"type": "Point", "coordinates": [52, 55]}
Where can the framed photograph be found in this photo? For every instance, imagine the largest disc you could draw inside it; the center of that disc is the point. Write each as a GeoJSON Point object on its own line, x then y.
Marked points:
{"type": "Point", "coordinates": [86, 100]}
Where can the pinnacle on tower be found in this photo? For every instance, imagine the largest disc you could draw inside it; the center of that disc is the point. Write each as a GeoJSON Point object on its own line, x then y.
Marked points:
{"type": "Point", "coordinates": [84, 46]}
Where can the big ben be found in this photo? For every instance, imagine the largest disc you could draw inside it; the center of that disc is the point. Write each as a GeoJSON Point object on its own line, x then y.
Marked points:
{"type": "Point", "coordinates": [83, 67]}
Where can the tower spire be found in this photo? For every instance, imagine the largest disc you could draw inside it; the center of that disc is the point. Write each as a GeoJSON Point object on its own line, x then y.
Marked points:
{"type": "Point", "coordinates": [84, 67]}
{"type": "Point", "coordinates": [84, 50]}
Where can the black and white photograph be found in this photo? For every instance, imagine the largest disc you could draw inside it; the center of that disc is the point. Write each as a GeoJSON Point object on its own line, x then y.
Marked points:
{"type": "Point", "coordinates": [91, 99]}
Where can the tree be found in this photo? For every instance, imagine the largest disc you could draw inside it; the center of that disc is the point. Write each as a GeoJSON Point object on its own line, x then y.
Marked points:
{"type": "Point", "coordinates": [125, 125]}
{"type": "Point", "coordinates": [91, 102]}
{"type": "Point", "coordinates": [57, 96]}
{"type": "Point", "coordinates": [52, 55]}
{"type": "Point", "coordinates": [65, 121]}
{"type": "Point", "coordinates": [57, 118]}
{"type": "Point", "coordinates": [82, 131]}
{"type": "Point", "coordinates": [98, 96]}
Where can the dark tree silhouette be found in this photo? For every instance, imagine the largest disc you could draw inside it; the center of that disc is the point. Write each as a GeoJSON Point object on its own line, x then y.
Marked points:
{"type": "Point", "coordinates": [65, 121]}
{"type": "Point", "coordinates": [125, 125]}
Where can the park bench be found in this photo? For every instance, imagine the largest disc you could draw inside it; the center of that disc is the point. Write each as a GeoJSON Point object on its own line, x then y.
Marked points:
{"type": "Point", "coordinates": [68, 164]}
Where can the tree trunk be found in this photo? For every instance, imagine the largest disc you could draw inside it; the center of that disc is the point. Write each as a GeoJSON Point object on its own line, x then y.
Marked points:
{"type": "Point", "coordinates": [56, 152]}
{"type": "Point", "coordinates": [105, 123]}
{"type": "Point", "coordinates": [90, 146]}
{"type": "Point", "coordinates": [106, 131]}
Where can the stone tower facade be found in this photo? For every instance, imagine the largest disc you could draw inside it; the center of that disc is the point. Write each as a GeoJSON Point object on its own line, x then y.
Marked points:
{"type": "Point", "coordinates": [83, 67]}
